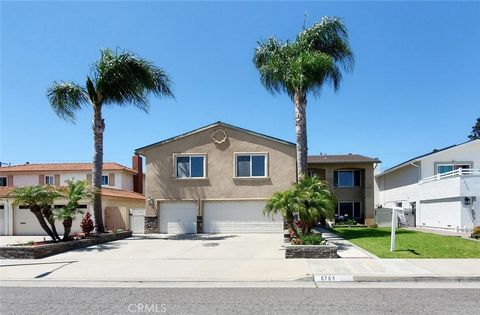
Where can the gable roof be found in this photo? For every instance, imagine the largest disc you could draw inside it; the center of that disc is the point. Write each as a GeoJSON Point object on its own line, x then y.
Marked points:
{"type": "Point", "coordinates": [59, 167]}
{"type": "Point", "coordinates": [417, 158]}
{"type": "Point", "coordinates": [341, 158]}
{"type": "Point", "coordinates": [218, 123]}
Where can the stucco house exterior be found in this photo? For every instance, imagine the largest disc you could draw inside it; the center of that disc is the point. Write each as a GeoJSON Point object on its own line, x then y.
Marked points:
{"type": "Point", "coordinates": [351, 176]}
{"type": "Point", "coordinates": [122, 190]}
{"type": "Point", "coordinates": [215, 179]}
{"type": "Point", "coordinates": [441, 187]}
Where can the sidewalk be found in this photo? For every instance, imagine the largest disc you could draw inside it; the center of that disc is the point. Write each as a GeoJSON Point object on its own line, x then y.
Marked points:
{"type": "Point", "coordinates": [345, 249]}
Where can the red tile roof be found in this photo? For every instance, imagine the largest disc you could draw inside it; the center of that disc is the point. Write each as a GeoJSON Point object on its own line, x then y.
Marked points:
{"type": "Point", "coordinates": [342, 158]}
{"type": "Point", "coordinates": [110, 192]}
{"type": "Point", "coordinates": [59, 167]}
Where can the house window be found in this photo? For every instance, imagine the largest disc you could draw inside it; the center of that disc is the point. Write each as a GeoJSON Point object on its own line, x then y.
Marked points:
{"type": "Point", "coordinates": [3, 181]}
{"type": "Point", "coordinates": [251, 165]}
{"type": "Point", "coordinates": [105, 180]}
{"type": "Point", "coordinates": [347, 178]}
{"type": "Point", "coordinates": [49, 180]}
{"type": "Point", "coordinates": [350, 209]}
{"type": "Point", "coordinates": [445, 168]}
{"type": "Point", "coordinates": [398, 204]}
{"type": "Point", "coordinates": [191, 166]}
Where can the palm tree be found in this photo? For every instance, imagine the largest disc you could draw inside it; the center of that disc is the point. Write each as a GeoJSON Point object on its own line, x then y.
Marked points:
{"type": "Point", "coordinates": [76, 191]}
{"type": "Point", "coordinates": [317, 56]}
{"type": "Point", "coordinates": [117, 78]}
{"type": "Point", "coordinates": [39, 199]}
{"type": "Point", "coordinates": [318, 202]}
{"type": "Point", "coordinates": [286, 203]}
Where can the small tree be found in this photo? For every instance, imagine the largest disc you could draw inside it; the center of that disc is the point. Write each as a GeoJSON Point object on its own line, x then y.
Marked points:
{"type": "Point", "coordinates": [76, 191]}
{"type": "Point", "coordinates": [475, 134]}
{"type": "Point", "coordinates": [311, 198]}
{"type": "Point", "coordinates": [286, 203]}
{"type": "Point", "coordinates": [87, 224]}
{"type": "Point", "coordinates": [39, 199]}
{"type": "Point", "coordinates": [318, 202]}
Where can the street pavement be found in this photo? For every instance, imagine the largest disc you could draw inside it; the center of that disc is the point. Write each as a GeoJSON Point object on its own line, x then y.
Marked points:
{"type": "Point", "coordinates": [237, 301]}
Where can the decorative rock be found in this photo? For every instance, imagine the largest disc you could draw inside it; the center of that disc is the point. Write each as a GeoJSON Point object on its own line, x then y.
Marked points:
{"type": "Point", "coordinates": [151, 224]}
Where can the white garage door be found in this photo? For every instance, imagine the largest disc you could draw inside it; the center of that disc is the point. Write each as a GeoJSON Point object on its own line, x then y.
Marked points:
{"type": "Point", "coordinates": [27, 224]}
{"type": "Point", "coordinates": [239, 217]}
{"type": "Point", "coordinates": [178, 217]}
{"type": "Point", "coordinates": [441, 214]}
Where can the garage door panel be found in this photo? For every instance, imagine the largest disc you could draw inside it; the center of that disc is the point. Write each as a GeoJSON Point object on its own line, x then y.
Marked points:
{"type": "Point", "coordinates": [27, 224]}
{"type": "Point", "coordinates": [178, 217]}
{"type": "Point", "coordinates": [239, 217]}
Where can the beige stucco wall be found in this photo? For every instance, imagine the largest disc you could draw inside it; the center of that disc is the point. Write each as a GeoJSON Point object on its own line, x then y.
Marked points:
{"type": "Point", "coordinates": [364, 193]}
{"type": "Point", "coordinates": [124, 203]}
{"type": "Point", "coordinates": [220, 182]}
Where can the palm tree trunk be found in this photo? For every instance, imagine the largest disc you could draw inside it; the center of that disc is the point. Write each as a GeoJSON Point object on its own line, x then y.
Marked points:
{"type": "Point", "coordinates": [300, 101]}
{"type": "Point", "coordinates": [47, 213]}
{"type": "Point", "coordinates": [98, 128]}
{"type": "Point", "coordinates": [38, 214]}
{"type": "Point", "coordinates": [67, 227]}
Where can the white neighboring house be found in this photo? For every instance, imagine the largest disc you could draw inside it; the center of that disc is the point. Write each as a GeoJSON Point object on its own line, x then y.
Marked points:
{"type": "Point", "coordinates": [442, 187]}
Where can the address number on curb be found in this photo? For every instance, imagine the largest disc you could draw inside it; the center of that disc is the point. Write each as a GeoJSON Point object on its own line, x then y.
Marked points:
{"type": "Point", "coordinates": [332, 278]}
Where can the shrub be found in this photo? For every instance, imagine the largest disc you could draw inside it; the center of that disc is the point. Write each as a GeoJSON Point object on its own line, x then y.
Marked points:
{"type": "Point", "coordinates": [476, 232]}
{"type": "Point", "coordinates": [311, 239]}
{"type": "Point", "coordinates": [346, 222]}
{"type": "Point", "coordinates": [87, 224]}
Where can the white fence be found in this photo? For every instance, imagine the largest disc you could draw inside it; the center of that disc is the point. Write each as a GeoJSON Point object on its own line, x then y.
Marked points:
{"type": "Point", "coordinates": [454, 173]}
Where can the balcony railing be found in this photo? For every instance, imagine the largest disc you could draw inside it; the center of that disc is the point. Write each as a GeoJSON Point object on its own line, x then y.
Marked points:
{"type": "Point", "coordinates": [454, 173]}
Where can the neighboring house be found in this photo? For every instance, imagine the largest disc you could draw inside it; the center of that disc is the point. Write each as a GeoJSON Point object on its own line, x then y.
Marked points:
{"type": "Point", "coordinates": [216, 179]}
{"type": "Point", "coordinates": [351, 177]}
{"type": "Point", "coordinates": [121, 190]}
{"type": "Point", "coordinates": [442, 187]}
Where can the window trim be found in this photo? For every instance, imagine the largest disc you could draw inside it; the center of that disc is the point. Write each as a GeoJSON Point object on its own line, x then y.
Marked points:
{"type": "Point", "coordinates": [45, 179]}
{"type": "Point", "coordinates": [108, 180]}
{"type": "Point", "coordinates": [266, 166]}
{"type": "Point", "coordinates": [189, 155]}
{"type": "Point", "coordinates": [6, 180]}
{"type": "Point", "coordinates": [438, 165]}
{"type": "Point", "coordinates": [362, 216]}
{"type": "Point", "coordinates": [337, 183]}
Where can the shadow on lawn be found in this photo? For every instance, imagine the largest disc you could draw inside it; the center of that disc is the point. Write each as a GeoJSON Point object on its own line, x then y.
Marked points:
{"type": "Point", "coordinates": [351, 233]}
{"type": "Point", "coordinates": [409, 250]}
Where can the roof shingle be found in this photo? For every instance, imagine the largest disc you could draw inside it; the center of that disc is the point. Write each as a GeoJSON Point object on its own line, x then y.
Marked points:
{"type": "Point", "coordinates": [341, 158]}
{"type": "Point", "coordinates": [59, 167]}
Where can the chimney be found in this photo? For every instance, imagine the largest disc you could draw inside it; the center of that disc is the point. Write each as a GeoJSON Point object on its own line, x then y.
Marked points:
{"type": "Point", "coordinates": [137, 164]}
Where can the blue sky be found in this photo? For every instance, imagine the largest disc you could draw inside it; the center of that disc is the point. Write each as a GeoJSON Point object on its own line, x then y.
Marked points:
{"type": "Point", "coordinates": [415, 86]}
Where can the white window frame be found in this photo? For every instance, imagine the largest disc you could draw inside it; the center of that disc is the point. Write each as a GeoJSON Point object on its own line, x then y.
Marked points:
{"type": "Point", "coordinates": [190, 155]}
{"type": "Point", "coordinates": [452, 165]}
{"type": "Point", "coordinates": [6, 181]}
{"type": "Point", "coordinates": [108, 180]}
{"type": "Point", "coordinates": [353, 208]}
{"type": "Point", "coordinates": [237, 154]}
{"type": "Point", "coordinates": [337, 184]}
{"type": "Point", "coordinates": [49, 176]}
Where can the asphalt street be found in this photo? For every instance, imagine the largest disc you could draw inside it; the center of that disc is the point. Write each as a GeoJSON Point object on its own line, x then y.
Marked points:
{"type": "Point", "coordinates": [48, 300]}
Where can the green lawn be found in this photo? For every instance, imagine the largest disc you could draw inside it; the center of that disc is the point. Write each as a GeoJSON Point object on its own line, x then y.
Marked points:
{"type": "Point", "coordinates": [410, 244]}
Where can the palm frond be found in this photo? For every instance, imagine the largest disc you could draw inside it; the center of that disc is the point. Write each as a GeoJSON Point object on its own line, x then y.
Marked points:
{"type": "Point", "coordinates": [66, 98]}
{"type": "Point", "coordinates": [127, 79]}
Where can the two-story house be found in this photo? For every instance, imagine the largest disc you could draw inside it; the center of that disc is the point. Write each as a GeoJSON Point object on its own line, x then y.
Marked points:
{"type": "Point", "coordinates": [215, 180]}
{"type": "Point", "coordinates": [122, 189]}
{"type": "Point", "coordinates": [351, 176]}
{"type": "Point", "coordinates": [442, 187]}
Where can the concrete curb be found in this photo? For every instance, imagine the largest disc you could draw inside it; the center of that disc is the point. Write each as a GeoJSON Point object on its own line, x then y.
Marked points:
{"type": "Point", "coordinates": [349, 278]}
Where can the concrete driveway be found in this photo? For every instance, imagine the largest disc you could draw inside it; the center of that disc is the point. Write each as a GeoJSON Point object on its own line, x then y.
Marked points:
{"type": "Point", "coordinates": [246, 257]}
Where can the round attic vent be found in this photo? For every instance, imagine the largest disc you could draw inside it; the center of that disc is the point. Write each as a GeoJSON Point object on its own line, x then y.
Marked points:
{"type": "Point", "coordinates": [219, 136]}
